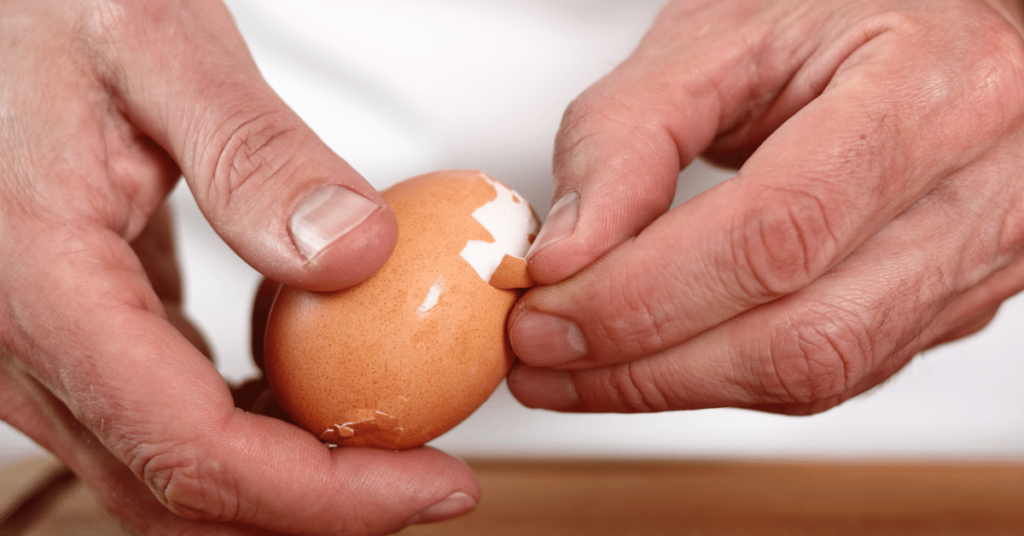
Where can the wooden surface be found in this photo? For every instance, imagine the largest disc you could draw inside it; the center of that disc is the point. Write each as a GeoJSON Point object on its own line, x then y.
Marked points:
{"type": "Point", "coordinates": [697, 498]}
{"type": "Point", "coordinates": [73, 513]}
{"type": "Point", "coordinates": [679, 498]}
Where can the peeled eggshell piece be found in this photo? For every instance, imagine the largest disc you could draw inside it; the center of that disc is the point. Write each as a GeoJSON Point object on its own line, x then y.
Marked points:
{"type": "Point", "coordinates": [406, 355]}
{"type": "Point", "coordinates": [512, 225]}
{"type": "Point", "coordinates": [512, 273]}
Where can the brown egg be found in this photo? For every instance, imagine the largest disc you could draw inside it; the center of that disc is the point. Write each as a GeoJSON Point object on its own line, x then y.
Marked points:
{"type": "Point", "coordinates": [406, 355]}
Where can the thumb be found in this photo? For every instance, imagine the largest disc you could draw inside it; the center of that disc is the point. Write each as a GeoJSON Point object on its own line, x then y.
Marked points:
{"type": "Point", "coordinates": [709, 78]}
{"type": "Point", "coordinates": [618, 154]}
{"type": "Point", "coordinates": [269, 186]}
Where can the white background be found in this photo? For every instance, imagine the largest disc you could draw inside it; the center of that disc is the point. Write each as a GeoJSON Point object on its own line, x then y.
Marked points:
{"type": "Point", "coordinates": [404, 87]}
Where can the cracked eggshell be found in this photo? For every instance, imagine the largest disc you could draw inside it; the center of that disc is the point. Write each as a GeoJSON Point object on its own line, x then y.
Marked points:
{"type": "Point", "coordinates": [409, 353]}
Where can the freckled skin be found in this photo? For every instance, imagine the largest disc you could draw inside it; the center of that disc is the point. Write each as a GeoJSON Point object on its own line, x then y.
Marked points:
{"type": "Point", "coordinates": [339, 358]}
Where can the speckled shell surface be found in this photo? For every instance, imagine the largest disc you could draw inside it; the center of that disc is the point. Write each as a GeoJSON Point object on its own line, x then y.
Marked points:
{"type": "Point", "coordinates": [405, 356]}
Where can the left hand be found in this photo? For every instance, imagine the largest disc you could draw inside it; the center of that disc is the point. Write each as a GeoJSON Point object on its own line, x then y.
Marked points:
{"type": "Point", "coordinates": [878, 209]}
{"type": "Point", "coordinates": [103, 104]}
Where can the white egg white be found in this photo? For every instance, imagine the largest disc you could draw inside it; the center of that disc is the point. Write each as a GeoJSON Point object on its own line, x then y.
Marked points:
{"type": "Point", "coordinates": [510, 221]}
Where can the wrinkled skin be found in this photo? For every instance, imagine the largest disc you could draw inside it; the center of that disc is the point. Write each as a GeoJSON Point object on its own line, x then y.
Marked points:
{"type": "Point", "coordinates": [877, 209]}
{"type": "Point", "coordinates": [876, 212]}
{"type": "Point", "coordinates": [102, 105]}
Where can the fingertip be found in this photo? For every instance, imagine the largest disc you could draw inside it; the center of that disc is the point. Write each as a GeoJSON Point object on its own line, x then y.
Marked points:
{"type": "Point", "coordinates": [540, 388]}
{"type": "Point", "coordinates": [325, 215]}
{"type": "Point", "coordinates": [455, 505]}
{"type": "Point", "coordinates": [584, 226]}
{"type": "Point", "coordinates": [552, 257]}
{"type": "Point", "coordinates": [309, 485]}
{"type": "Point", "coordinates": [560, 224]}
{"type": "Point", "coordinates": [613, 177]}
{"type": "Point", "coordinates": [342, 237]}
{"type": "Point", "coordinates": [546, 340]}
{"type": "Point", "coordinates": [427, 484]}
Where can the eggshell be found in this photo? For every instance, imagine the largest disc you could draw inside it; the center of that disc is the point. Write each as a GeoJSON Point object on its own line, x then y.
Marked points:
{"type": "Point", "coordinates": [406, 355]}
{"type": "Point", "coordinates": [511, 273]}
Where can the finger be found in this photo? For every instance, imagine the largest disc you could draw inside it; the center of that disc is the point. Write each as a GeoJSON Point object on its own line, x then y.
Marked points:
{"type": "Point", "coordinates": [30, 408]}
{"type": "Point", "coordinates": [970, 326]}
{"type": "Point", "coordinates": [809, 351]}
{"type": "Point", "coordinates": [269, 186]}
{"type": "Point", "coordinates": [154, 248]}
{"type": "Point", "coordinates": [821, 186]}
{"type": "Point", "coordinates": [974, 309]}
{"type": "Point", "coordinates": [218, 464]}
{"type": "Point", "coordinates": [609, 183]}
{"type": "Point", "coordinates": [623, 142]}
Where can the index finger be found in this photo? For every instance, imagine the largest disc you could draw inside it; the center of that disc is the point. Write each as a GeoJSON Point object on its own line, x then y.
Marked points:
{"type": "Point", "coordinates": [819, 187]}
{"type": "Point", "coordinates": [158, 405]}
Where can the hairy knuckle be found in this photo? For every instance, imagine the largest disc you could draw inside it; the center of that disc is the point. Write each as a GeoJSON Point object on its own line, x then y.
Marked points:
{"type": "Point", "coordinates": [188, 483]}
{"type": "Point", "coordinates": [783, 245]}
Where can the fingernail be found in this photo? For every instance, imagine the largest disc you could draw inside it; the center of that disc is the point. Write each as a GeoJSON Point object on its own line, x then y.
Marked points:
{"type": "Point", "coordinates": [543, 388]}
{"type": "Point", "coordinates": [544, 340]}
{"type": "Point", "coordinates": [560, 224]}
{"type": "Point", "coordinates": [326, 215]}
{"type": "Point", "coordinates": [454, 505]}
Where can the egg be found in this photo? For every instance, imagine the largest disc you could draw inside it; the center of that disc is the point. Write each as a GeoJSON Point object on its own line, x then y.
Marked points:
{"type": "Point", "coordinates": [412, 351]}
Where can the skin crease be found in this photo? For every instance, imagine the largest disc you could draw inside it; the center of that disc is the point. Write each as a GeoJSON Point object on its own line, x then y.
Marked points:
{"type": "Point", "coordinates": [877, 209]}
{"type": "Point", "coordinates": [97, 363]}
{"type": "Point", "coordinates": [884, 136]}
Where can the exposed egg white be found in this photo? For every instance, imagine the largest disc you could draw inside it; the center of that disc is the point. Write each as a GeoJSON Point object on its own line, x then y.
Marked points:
{"type": "Point", "coordinates": [432, 296]}
{"type": "Point", "coordinates": [510, 221]}
{"type": "Point", "coordinates": [409, 353]}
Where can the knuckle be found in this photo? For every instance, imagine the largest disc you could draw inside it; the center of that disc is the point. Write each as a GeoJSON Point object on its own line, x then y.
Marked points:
{"type": "Point", "coordinates": [641, 322]}
{"type": "Point", "coordinates": [592, 109]}
{"type": "Point", "coordinates": [989, 59]}
{"type": "Point", "coordinates": [254, 149]}
{"type": "Point", "coordinates": [577, 114]}
{"type": "Point", "coordinates": [996, 76]}
{"type": "Point", "coordinates": [782, 245]}
{"type": "Point", "coordinates": [988, 77]}
{"type": "Point", "coordinates": [581, 122]}
{"type": "Point", "coordinates": [103, 21]}
{"type": "Point", "coordinates": [603, 115]}
{"type": "Point", "coordinates": [190, 484]}
{"type": "Point", "coordinates": [631, 389]}
{"type": "Point", "coordinates": [819, 362]}
{"type": "Point", "coordinates": [1010, 235]}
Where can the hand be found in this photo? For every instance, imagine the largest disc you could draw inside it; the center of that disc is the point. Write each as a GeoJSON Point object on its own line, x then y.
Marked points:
{"type": "Point", "coordinates": [102, 104]}
{"type": "Point", "coordinates": [878, 209]}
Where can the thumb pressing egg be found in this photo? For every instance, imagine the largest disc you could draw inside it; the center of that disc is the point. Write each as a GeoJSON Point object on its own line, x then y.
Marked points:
{"type": "Point", "coordinates": [409, 353]}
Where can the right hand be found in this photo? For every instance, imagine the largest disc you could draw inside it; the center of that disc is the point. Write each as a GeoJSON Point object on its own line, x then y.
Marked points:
{"type": "Point", "coordinates": [876, 211]}
{"type": "Point", "coordinates": [103, 104]}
